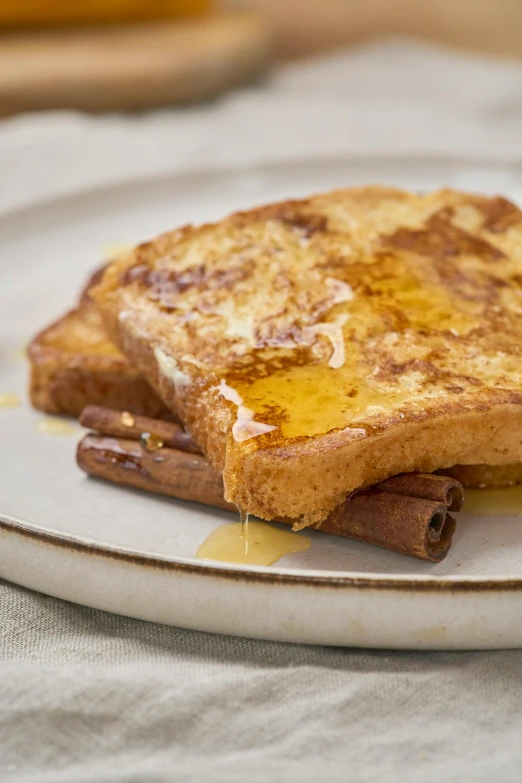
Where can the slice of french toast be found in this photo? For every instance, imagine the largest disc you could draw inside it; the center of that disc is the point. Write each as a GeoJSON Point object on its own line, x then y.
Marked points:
{"type": "Point", "coordinates": [61, 382]}
{"type": "Point", "coordinates": [315, 347]}
{"type": "Point", "coordinates": [73, 363]}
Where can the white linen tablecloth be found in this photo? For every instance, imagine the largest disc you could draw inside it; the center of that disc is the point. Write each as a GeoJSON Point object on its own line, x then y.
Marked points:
{"type": "Point", "coordinates": [87, 696]}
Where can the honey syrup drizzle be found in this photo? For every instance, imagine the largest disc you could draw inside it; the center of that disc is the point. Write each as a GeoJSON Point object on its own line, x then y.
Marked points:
{"type": "Point", "coordinates": [151, 442]}
{"type": "Point", "coordinates": [315, 398]}
{"type": "Point", "coordinates": [494, 502]}
{"type": "Point", "coordinates": [257, 544]}
{"type": "Point", "coordinates": [9, 400]}
{"type": "Point", "coordinates": [387, 337]}
{"type": "Point", "coordinates": [243, 521]}
{"type": "Point", "coordinates": [54, 426]}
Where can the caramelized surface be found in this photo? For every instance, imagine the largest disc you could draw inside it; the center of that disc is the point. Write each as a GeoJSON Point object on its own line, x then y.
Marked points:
{"type": "Point", "coordinates": [83, 332]}
{"type": "Point", "coordinates": [359, 309]}
{"type": "Point", "coordinates": [434, 309]}
{"type": "Point", "coordinates": [74, 363]}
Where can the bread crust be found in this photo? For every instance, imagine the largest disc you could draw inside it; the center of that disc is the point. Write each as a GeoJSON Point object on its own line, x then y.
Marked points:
{"type": "Point", "coordinates": [73, 364]}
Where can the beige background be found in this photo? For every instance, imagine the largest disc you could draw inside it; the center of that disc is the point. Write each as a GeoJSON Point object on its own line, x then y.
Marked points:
{"type": "Point", "coordinates": [301, 26]}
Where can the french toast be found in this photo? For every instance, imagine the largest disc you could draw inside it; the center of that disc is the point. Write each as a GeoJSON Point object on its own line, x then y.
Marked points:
{"type": "Point", "coordinates": [74, 363]}
{"type": "Point", "coordinates": [315, 347]}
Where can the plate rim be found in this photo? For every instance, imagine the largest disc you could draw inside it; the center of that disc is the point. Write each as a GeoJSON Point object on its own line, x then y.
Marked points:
{"type": "Point", "coordinates": [227, 168]}
{"type": "Point", "coordinates": [260, 574]}
{"type": "Point", "coordinates": [257, 574]}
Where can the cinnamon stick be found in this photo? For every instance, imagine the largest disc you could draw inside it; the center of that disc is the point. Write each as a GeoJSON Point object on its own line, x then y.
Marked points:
{"type": "Point", "coordinates": [122, 424]}
{"type": "Point", "coordinates": [443, 489]}
{"type": "Point", "coordinates": [164, 471]}
{"type": "Point", "coordinates": [403, 520]}
{"type": "Point", "coordinates": [411, 525]}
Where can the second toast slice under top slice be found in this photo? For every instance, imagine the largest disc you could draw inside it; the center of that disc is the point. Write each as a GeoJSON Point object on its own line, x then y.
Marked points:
{"type": "Point", "coordinates": [315, 347]}
{"type": "Point", "coordinates": [74, 363]}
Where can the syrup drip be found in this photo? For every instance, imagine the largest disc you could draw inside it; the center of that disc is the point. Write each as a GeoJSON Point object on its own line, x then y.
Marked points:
{"type": "Point", "coordinates": [8, 400]}
{"type": "Point", "coordinates": [494, 502]}
{"type": "Point", "coordinates": [52, 426]}
{"type": "Point", "coordinates": [262, 545]}
{"type": "Point", "coordinates": [127, 419]}
{"type": "Point", "coordinates": [17, 354]}
{"type": "Point", "coordinates": [150, 442]}
{"type": "Point", "coordinates": [243, 521]}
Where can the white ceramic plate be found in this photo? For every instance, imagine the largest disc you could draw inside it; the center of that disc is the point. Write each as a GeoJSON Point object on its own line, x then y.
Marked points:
{"type": "Point", "coordinates": [127, 552]}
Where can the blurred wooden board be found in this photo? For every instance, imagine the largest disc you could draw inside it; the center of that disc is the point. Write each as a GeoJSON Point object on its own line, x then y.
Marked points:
{"type": "Point", "coordinates": [54, 13]}
{"type": "Point", "coordinates": [130, 67]}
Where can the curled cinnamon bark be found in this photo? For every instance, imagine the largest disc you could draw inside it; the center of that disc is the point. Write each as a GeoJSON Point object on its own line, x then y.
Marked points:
{"type": "Point", "coordinates": [443, 489]}
{"type": "Point", "coordinates": [407, 514]}
{"type": "Point", "coordinates": [122, 424]}
{"type": "Point", "coordinates": [411, 525]}
{"type": "Point", "coordinates": [164, 471]}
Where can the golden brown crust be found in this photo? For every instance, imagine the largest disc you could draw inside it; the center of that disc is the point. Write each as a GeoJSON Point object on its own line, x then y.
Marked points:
{"type": "Point", "coordinates": [373, 331]}
{"type": "Point", "coordinates": [73, 364]}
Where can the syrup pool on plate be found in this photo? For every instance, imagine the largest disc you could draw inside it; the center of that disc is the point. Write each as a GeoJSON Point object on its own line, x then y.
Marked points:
{"type": "Point", "coordinates": [253, 543]}
{"type": "Point", "coordinates": [55, 426]}
{"type": "Point", "coordinates": [9, 400]}
{"type": "Point", "coordinates": [494, 502]}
